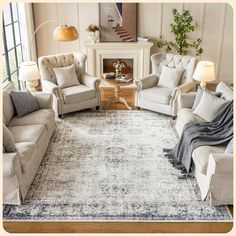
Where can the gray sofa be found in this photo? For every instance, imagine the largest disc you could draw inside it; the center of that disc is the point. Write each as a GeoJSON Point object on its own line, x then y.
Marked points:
{"type": "Point", "coordinates": [31, 135]}
{"type": "Point", "coordinates": [212, 167]}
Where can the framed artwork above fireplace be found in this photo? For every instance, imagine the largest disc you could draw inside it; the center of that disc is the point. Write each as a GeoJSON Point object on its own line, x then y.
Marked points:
{"type": "Point", "coordinates": [118, 22]}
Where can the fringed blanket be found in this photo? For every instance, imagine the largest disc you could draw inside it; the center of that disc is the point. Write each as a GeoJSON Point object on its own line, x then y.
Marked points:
{"type": "Point", "coordinates": [217, 132]}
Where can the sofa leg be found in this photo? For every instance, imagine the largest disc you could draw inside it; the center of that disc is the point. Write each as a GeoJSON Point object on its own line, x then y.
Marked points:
{"type": "Point", "coordinates": [174, 117]}
{"type": "Point", "coordinates": [60, 116]}
{"type": "Point", "coordinates": [97, 108]}
{"type": "Point", "coordinates": [138, 108]}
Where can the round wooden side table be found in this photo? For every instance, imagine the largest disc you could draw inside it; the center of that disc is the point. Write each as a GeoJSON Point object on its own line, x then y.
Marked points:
{"type": "Point", "coordinates": [116, 98]}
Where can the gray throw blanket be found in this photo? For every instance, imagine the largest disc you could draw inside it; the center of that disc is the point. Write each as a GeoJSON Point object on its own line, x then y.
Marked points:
{"type": "Point", "coordinates": [217, 132]}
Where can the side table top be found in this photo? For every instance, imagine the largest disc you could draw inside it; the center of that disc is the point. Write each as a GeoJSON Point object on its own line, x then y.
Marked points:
{"type": "Point", "coordinates": [116, 82]}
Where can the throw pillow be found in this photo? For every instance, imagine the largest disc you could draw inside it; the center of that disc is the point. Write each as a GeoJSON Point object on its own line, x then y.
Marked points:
{"type": "Point", "coordinates": [24, 102]}
{"type": "Point", "coordinates": [230, 147]}
{"type": "Point", "coordinates": [225, 90]}
{"type": "Point", "coordinates": [170, 77]}
{"type": "Point", "coordinates": [209, 106]}
{"type": "Point", "coordinates": [8, 140]}
{"type": "Point", "coordinates": [66, 76]}
{"type": "Point", "coordinates": [198, 97]}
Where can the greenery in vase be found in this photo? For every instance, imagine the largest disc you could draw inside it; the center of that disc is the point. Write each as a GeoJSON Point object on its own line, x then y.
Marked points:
{"type": "Point", "coordinates": [93, 28]}
{"type": "Point", "coordinates": [182, 26]}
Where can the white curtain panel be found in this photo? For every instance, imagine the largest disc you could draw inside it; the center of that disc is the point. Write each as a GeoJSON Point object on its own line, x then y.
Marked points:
{"type": "Point", "coordinates": [27, 29]}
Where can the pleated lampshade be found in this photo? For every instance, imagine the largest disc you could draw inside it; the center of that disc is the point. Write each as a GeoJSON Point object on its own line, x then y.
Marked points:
{"type": "Point", "coordinates": [65, 33]}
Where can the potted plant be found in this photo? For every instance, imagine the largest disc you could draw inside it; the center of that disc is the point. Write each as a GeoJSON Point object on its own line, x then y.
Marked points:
{"type": "Point", "coordinates": [182, 26]}
{"type": "Point", "coordinates": [93, 32]}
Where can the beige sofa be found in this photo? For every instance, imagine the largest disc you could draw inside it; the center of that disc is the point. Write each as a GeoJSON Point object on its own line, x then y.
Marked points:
{"type": "Point", "coordinates": [212, 167]}
{"type": "Point", "coordinates": [162, 99]}
{"type": "Point", "coordinates": [70, 99]}
{"type": "Point", "coordinates": [31, 134]}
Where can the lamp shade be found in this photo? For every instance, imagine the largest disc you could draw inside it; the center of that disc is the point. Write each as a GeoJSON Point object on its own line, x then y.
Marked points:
{"type": "Point", "coordinates": [65, 33]}
{"type": "Point", "coordinates": [204, 72]}
{"type": "Point", "coordinates": [29, 71]}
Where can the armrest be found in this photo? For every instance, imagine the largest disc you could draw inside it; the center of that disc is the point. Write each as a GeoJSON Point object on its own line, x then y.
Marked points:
{"type": "Point", "coordinates": [90, 81]}
{"type": "Point", "coordinates": [147, 82]}
{"type": "Point", "coordinates": [220, 164]}
{"type": "Point", "coordinates": [50, 87]}
{"type": "Point", "coordinates": [44, 100]}
{"type": "Point", "coordinates": [186, 87]}
{"type": "Point", "coordinates": [186, 100]}
{"type": "Point", "coordinates": [8, 163]}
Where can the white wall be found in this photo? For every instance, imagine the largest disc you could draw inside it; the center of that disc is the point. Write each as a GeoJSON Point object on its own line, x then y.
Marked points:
{"type": "Point", "coordinates": [215, 27]}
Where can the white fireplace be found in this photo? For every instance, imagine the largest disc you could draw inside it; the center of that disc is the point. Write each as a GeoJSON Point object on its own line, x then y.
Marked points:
{"type": "Point", "coordinates": [139, 53]}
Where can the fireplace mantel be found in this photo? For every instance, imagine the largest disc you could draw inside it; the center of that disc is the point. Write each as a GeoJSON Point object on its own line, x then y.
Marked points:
{"type": "Point", "coordinates": [139, 52]}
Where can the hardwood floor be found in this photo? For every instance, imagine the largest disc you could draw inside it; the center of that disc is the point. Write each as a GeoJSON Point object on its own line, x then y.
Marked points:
{"type": "Point", "coordinates": [109, 227]}
{"type": "Point", "coordinates": [127, 93]}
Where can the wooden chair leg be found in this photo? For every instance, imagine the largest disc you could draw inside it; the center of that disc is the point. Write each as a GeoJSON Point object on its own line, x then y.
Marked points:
{"type": "Point", "coordinates": [97, 108]}
{"type": "Point", "coordinates": [138, 108]}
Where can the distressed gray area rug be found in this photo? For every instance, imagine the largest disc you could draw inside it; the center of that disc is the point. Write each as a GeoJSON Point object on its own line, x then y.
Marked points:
{"type": "Point", "coordinates": [109, 166]}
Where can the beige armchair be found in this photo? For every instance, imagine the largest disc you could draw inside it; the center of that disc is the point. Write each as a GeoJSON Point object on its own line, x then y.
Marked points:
{"type": "Point", "coordinates": [65, 100]}
{"type": "Point", "coordinates": [161, 99]}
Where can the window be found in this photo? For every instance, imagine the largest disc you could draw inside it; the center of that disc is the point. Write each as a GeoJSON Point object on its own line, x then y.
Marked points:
{"type": "Point", "coordinates": [12, 56]}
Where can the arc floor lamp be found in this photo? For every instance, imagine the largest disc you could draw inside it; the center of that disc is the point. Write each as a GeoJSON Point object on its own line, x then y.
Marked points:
{"type": "Point", "coordinates": [29, 71]}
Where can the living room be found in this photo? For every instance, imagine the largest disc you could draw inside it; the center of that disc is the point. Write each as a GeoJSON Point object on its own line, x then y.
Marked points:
{"type": "Point", "coordinates": [117, 117]}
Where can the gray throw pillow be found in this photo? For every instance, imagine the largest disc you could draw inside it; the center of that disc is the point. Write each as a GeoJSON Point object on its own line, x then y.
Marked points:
{"type": "Point", "coordinates": [230, 147]}
{"type": "Point", "coordinates": [24, 102]}
{"type": "Point", "coordinates": [8, 140]}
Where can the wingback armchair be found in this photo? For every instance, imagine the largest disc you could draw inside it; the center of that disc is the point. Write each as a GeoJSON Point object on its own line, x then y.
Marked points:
{"type": "Point", "coordinates": [161, 99]}
{"type": "Point", "coordinates": [74, 98]}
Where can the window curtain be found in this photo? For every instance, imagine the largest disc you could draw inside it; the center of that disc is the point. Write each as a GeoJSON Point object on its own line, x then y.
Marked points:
{"type": "Point", "coordinates": [27, 29]}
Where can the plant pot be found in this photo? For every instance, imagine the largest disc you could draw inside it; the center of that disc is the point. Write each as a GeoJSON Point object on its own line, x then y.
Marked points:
{"type": "Point", "coordinates": [93, 37]}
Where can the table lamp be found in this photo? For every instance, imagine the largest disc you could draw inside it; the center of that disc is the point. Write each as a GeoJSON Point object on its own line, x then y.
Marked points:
{"type": "Point", "coordinates": [204, 72]}
{"type": "Point", "coordinates": [29, 73]}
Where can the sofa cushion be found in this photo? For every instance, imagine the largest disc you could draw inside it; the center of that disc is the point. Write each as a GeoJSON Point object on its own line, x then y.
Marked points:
{"type": "Point", "coordinates": [8, 140]}
{"type": "Point", "coordinates": [78, 94]}
{"type": "Point", "coordinates": [8, 107]}
{"type": "Point", "coordinates": [27, 133]}
{"type": "Point", "coordinates": [201, 156]}
{"type": "Point", "coordinates": [25, 151]}
{"type": "Point", "coordinates": [186, 116]}
{"type": "Point", "coordinates": [156, 94]}
{"type": "Point", "coordinates": [42, 116]}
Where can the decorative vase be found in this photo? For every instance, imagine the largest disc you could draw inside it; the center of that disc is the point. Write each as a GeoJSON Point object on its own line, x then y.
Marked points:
{"type": "Point", "coordinates": [118, 68]}
{"type": "Point", "coordinates": [93, 37]}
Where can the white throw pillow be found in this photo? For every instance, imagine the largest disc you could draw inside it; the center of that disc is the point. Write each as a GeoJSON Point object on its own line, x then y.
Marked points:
{"type": "Point", "coordinates": [209, 106]}
{"type": "Point", "coordinates": [170, 77]}
{"type": "Point", "coordinates": [66, 76]}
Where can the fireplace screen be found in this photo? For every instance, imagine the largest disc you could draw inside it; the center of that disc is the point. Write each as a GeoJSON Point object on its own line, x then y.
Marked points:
{"type": "Point", "coordinates": [109, 66]}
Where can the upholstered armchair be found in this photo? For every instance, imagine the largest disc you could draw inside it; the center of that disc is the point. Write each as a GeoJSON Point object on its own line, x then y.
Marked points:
{"type": "Point", "coordinates": [74, 98]}
{"type": "Point", "coordinates": [162, 99]}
